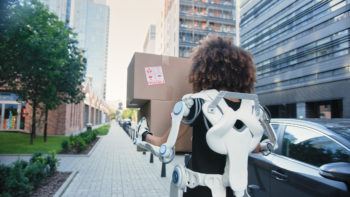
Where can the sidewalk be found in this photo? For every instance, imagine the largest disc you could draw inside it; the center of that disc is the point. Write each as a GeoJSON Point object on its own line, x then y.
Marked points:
{"type": "Point", "coordinates": [114, 168]}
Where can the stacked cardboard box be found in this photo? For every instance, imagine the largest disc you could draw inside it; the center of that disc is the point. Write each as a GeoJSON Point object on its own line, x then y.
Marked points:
{"type": "Point", "coordinates": [155, 84]}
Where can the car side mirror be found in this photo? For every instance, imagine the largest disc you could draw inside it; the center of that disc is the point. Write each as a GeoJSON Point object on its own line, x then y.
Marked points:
{"type": "Point", "coordinates": [339, 171]}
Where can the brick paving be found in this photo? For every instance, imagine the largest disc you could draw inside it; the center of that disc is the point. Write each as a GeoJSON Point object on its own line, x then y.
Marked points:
{"type": "Point", "coordinates": [114, 168]}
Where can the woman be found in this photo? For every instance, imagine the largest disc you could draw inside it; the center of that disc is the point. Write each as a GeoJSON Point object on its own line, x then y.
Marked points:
{"type": "Point", "coordinates": [217, 64]}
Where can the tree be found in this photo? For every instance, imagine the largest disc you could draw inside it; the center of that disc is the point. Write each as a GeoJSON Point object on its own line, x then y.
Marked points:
{"type": "Point", "coordinates": [47, 68]}
{"type": "Point", "coordinates": [6, 48]}
{"type": "Point", "coordinates": [65, 86]}
{"type": "Point", "coordinates": [130, 113]}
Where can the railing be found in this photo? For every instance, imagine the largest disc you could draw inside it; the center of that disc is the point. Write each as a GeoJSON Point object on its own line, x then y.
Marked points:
{"type": "Point", "coordinates": [204, 31]}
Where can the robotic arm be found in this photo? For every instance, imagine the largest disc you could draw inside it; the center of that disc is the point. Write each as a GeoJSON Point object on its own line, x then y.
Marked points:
{"type": "Point", "coordinates": [165, 152]}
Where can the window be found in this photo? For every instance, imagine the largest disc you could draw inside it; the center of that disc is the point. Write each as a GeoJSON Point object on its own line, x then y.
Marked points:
{"type": "Point", "coordinates": [311, 147]}
{"type": "Point", "coordinates": [274, 127]}
{"type": "Point", "coordinates": [10, 116]}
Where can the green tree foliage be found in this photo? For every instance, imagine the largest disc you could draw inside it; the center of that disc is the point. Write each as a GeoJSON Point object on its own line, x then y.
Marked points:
{"type": "Point", "coordinates": [42, 62]}
{"type": "Point", "coordinates": [129, 113]}
{"type": "Point", "coordinates": [7, 69]}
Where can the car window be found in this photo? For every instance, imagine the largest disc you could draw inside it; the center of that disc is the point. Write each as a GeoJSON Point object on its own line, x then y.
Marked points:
{"type": "Point", "coordinates": [274, 127]}
{"type": "Point", "coordinates": [312, 147]}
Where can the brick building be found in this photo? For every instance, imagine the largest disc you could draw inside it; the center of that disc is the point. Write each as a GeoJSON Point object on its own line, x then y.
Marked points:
{"type": "Point", "coordinates": [65, 120]}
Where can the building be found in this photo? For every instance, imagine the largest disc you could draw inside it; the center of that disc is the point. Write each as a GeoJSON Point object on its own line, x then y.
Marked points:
{"type": "Point", "coordinates": [61, 8]}
{"type": "Point", "coordinates": [302, 55]}
{"type": "Point", "coordinates": [186, 22]}
{"type": "Point", "coordinates": [91, 22]}
{"type": "Point", "coordinates": [89, 19]}
{"type": "Point", "coordinates": [65, 120]}
{"type": "Point", "coordinates": [149, 45]}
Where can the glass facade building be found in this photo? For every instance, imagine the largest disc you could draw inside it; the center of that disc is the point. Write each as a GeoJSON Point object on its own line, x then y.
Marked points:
{"type": "Point", "coordinates": [189, 21]}
{"type": "Point", "coordinates": [91, 22]}
{"type": "Point", "coordinates": [302, 55]}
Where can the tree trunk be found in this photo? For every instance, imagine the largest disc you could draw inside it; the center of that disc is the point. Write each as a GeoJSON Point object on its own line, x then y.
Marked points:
{"type": "Point", "coordinates": [45, 123]}
{"type": "Point", "coordinates": [32, 134]}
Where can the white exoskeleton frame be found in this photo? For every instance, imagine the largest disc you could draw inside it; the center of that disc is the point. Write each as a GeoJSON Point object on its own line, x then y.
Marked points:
{"type": "Point", "coordinates": [223, 137]}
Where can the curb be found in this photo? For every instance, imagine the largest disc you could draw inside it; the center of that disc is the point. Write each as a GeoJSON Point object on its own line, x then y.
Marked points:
{"type": "Point", "coordinates": [16, 155]}
{"type": "Point", "coordinates": [66, 184]}
{"type": "Point", "coordinates": [96, 144]}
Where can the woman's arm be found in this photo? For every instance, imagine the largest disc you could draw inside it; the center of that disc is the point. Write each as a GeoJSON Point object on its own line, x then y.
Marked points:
{"type": "Point", "coordinates": [159, 140]}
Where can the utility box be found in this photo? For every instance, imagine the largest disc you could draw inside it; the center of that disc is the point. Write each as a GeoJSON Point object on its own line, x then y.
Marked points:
{"type": "Point", "coordinates": [155, 84]}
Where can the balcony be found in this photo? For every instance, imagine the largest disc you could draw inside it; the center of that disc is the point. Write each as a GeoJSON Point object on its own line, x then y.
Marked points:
{"type": "Point", "coordinates": [191, 16]}
{"type": "Point", "coordinates": [212, 3]}
{"type": "Point", "coordinates": [199, 17]}
{"type": "Point", "coordinates": [192, 2]}
{"type": "Point", "coordinates": [224, 5]}
{"type": "Point", "coordinates": [205, 31]}
{"type": "Point", "coordinates": [218, 19]}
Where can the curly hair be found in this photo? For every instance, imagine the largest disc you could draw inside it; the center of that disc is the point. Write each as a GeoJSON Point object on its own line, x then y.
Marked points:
{"type": "Point", "coordinates": [218, 64]}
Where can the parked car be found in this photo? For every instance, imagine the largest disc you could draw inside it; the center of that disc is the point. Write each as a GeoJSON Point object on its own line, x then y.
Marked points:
{"type": "Point", "coordinates": [306, 162]}
{"type": "Point", "coordinates": [126, 124]}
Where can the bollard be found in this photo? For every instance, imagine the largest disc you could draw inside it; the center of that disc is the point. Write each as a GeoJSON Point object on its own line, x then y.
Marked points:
{"type": "Point", "coordinates": [163, 173]}
{"type": "Point", "coordinates": [88, 127]}
{"type": "Point", "coordinates": [151, 158]}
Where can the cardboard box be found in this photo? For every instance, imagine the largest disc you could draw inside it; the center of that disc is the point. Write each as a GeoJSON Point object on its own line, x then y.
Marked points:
{"type": "Point", "coordinates": [155, 84]}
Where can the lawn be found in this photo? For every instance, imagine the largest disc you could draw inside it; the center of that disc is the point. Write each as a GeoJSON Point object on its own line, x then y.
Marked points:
{"type": "Point", "coordinates": [103, 130]}
{"type": "Point", "coordinates": [18, 143]}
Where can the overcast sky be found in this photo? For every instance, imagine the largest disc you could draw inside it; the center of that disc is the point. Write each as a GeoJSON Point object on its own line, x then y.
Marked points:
{"type": "Point", "coordinates": [129, 21]}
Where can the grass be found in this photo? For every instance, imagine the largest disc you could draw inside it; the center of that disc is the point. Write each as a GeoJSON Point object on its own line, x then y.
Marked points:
{"type": "Point", "coordinates": [103, 130]}
{"type": "Point", "coordinates": [18, 143]}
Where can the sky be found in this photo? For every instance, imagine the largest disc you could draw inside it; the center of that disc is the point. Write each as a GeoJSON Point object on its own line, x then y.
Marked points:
{"type": "Point", "coordinates": [129, 22]}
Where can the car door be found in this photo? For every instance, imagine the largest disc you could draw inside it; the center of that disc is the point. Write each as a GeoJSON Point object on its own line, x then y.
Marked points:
{"type": "Point", "coordinates": [295, 170]}
{"type": "Point", "coordinates": [259, 168]}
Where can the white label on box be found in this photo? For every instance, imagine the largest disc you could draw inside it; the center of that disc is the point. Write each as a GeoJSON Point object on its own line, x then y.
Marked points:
{"type": "Point", "coordinates": [154, 75]}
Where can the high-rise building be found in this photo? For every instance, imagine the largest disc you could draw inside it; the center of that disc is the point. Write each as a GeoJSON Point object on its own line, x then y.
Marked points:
{"type": "Point", "coordinates": [90, 20]}
{"type": "Point", "coordinates": [186, 22]}
{"type": "Point", "coordinates": [60, 7]}
{"type": "Point", "coordinates": [149, 45]}
{"type": "Point", "coordinates": [301, 51]}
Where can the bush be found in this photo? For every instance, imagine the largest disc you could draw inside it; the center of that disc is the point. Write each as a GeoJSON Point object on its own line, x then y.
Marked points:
{"type": "Point", "coordinates": [37, 157]}
{"type": "Point", "coordinates": [22, 177]}
{"type": "Point", "coordinates": [52, 163]}
{"type": "Point", "coordinates": [89, 136]}
{"type": "Point", "coordinates": [65, 146]}
{"type": "Point", "coordinates": [78, 144]}
{"type": "Point", "coordinates": [4, 173]}
{"type": "Point", "coordinates": [17, 184]}
{"type": "Point", "coordinates": [102, 130]}
{"type": "Point", "coordinates": [36, 172]}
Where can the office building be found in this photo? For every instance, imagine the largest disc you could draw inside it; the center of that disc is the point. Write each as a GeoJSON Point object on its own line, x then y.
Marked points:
{"type": "Point", "coordinates": [186, 22]}
{"type": "Point", "coordinates": [302, 55]}
{"type": "Point", "coordinates": [62, 8]}
{"type": "Point", "coordinates": [91, 22]}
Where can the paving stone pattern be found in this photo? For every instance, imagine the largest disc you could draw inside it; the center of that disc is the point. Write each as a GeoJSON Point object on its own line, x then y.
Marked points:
{"type": "Point", "coordinates": [114, 168]}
